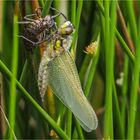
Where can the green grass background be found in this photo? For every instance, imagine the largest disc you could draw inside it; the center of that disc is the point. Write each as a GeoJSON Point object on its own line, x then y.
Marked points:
{"type": "Point", "coordinates": [116, 26]}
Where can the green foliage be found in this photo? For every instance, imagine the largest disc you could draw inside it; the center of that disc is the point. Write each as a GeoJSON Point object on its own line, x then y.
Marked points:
{"type": "Point", "coordinates": [109, 76]}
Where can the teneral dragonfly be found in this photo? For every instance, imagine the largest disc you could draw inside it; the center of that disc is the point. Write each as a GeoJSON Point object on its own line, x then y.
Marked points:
{"type": "Point", "coordinates": [58, 70]}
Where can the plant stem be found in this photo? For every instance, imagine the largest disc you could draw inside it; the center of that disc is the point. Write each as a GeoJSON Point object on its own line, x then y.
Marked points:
{"type": "Point", "coordinates": [78, 15]}
{"type": "Point", "coordinates": [73, 11]}
{"type": "Point", "coordinates": [117, 115]}
{"type": "Point", "coordinates": [69, 123]}
{"type": "Point", "coordinates": [132, 20]}
{"type": "Point", "coordinates": [13, 95]}
{"type": "Point", "coordinates": [124, 45]}
{"type": "Point", "coordinates": [109, 52]}
{"type": "Point", "coordinates": [124, 92]}
{"type": "Point", "coordinates": [46, 7]}
{"type": "Point", "coordinates": [125, 31]}
{"type": "Point", "coordinates": [92, 71]}
{"type": "Point", "coordinates": [7, 72]}
{"type": "Point", "coordinates": [134, 90]}
{"type": "Point", "coordinates": [108, 99]}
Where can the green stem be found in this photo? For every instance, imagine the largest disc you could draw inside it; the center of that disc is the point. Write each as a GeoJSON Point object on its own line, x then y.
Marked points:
{"type": "Point", "coordinates": [108, 98]}
{"type": "Point", "coordinates": [69, 123]}
{"type": "Point", "coordinates": [124, 93]}
{"type": "Point", "coordinates": [24, 72]}
{"type": "Point", "coordinates": [41, 2]}
{"type": "Point", "coordinates": [134, 91]}
{"type": "Point", "coordinates": [83, 69]}
{"type": "Point", "coordinates": [124, 45]}
{"type": "Point", "coordinates": [79, 130]}
{"type": "Point", "coordinates": [46, 7]}
{"type": "Point", "coordinates": [117, 116]}
{"type": "Point", "coordinates": [6, 71]}
{"type": "Point", "coordinates": [73, 11]}
{"type": "Point", "coordinates": [12, 104]}
{"type": "Point", "coordinates": [132, 20]}
{"type": "Point", "coordinates": [78, 15]}
{"type": "Point", "coordinates": [57, 6]}
{"type": "Point", "coordinates": [92, 71]}
{"type": "Point", "coordinates": [109, 53]}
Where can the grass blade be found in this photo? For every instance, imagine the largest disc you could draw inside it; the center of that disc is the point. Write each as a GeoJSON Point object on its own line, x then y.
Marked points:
{"type": "Point", "coordinates": [8, 74]}
{"type": "Point", "coordinates": [13, 95]}
{"type": "Point", "coordinates": [134, 91]}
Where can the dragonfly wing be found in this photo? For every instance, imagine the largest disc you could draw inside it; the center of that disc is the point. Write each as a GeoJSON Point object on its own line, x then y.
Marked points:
{"type": "Point", "coordinates": [72, 68]}
{"type": "Point", "coordinates": [64, 81]}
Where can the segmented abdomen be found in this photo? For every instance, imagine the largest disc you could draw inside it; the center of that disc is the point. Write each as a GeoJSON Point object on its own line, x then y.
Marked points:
{"type": "Point", "coordinates": [43, 75]}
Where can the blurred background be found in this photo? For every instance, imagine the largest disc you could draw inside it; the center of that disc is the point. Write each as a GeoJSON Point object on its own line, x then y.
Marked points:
{"type": "Point", "coordinates": [106, 48]}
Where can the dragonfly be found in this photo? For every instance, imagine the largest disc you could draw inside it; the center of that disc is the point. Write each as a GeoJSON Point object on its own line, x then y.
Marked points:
{"type": "Point", "coordinates": [58, 70]}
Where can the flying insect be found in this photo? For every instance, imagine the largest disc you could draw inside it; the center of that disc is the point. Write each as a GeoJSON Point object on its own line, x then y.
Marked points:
{"type": "Point", "coordinates": [58, 70]}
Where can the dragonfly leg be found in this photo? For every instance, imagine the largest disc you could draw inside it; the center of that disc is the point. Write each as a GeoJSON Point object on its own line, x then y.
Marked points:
{"type": "Point", "coordinates": [24, 22]}
{"type": "Point", "coordinates": [36, 43]}
{"type": "Point", "coordinates": [28, 17]}
{"type": "Point", "coordinates": [59, 13]}
{"type": "Point", "coordinates": [33, 43]}
{"type": "Point", "coordinates": [46, 39]}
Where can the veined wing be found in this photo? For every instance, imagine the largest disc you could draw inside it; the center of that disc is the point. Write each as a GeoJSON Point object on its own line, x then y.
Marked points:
{"type": "Point", "coordinates": [64, 81]}
{"type": "Point", "coordinates": [72, 68]}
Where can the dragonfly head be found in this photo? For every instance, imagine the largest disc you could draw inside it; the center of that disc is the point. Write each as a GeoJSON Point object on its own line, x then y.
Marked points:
{"type": "Point", "coordinates": [66, 28]}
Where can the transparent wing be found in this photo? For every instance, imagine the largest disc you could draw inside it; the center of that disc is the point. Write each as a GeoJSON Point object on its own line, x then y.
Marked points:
{"type": "Point", "coordinates": [72, 68]}
{"type": "Point", "coordinates": [64, 81]}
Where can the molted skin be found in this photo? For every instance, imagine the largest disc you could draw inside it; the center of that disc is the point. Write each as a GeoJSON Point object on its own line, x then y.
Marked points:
{"type": "Point", "coordinates": [37, 30]}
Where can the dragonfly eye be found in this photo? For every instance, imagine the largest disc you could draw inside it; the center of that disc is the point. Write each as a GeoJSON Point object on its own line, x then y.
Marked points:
{"type": "Point", "coordinates": [66, 28]}
{"type": "Point", "coordinates": [68, 31]}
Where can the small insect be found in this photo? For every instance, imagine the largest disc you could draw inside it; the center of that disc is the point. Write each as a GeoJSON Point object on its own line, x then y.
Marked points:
{"type": "Point", "coordinates": [58, 70]}
{"type": "Point", "coordinates": [39, 30]}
